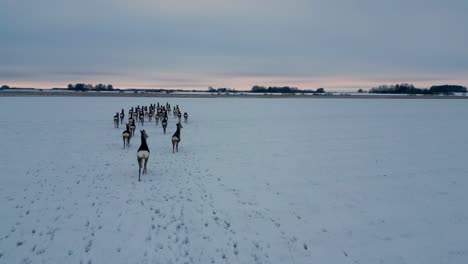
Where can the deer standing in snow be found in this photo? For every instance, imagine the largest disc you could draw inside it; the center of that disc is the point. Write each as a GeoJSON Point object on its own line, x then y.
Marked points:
{"type": "Point", "coordinates": [142, 154]}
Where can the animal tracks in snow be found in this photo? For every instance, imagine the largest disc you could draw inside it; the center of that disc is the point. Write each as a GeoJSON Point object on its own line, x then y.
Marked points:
{"type": "Point", "coordinates": [91, 209]}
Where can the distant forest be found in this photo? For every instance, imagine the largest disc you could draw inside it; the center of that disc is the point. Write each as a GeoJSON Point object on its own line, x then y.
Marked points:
{"type": "Point", "coordinates": [263, 89]}
{"type": "Point", "coordinates": [221, 90]}
{"type": "Point", "coordinates": [284, 90]}
{"type": "Point", "coordinates": [405, 88]}
{"type": "Point", "coordinates": [87, 87]}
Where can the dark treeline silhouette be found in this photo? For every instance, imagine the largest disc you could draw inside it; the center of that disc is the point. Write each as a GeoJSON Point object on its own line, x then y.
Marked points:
{"type": "Point", "coordinates": [447, 89]}
{"type": "Point", "coordinates": [87, 87]}
{"type": "Point", "coordinates": [221, 90]}
{"type": "Point", "coordinates": [284, 89]}
{"type": "Point", "coordinates": [6, 87]}
{"type": "Point", "coordinates": [405, 88]}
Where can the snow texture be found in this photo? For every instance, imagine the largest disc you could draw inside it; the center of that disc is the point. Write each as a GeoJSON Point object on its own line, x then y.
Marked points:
{"type": "Point", "coordinates": [254, 181]}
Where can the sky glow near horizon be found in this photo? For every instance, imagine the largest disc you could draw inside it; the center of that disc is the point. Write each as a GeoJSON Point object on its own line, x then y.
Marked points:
{"type": "Point", "coordinates": [339, 45]}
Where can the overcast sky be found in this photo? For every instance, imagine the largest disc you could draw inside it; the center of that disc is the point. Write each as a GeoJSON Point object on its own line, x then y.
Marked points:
{"type": "Point", "coordinates": [336, 44]}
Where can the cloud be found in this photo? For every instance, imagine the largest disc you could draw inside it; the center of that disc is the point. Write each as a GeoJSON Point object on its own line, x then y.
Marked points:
{"type": "Point", "coordinates": [296, 41]}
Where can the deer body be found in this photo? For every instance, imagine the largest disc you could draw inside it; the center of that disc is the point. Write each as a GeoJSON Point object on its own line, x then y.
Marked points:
{"type": "Point", "coordinates": [176, 138]}
{"type": "Point", "coordinates": [142, 154]}
{"type": "Point", "coordinates": [116, 120]}
{"type": "Point", "coordinates": [164, 124]}
{"type": "Point", "coordinates": [132, 126]}
{"type": "Point", "coordinates": [126, 136]}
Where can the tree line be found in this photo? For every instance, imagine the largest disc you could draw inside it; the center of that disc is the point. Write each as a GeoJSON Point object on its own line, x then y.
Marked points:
{"type": "Point", "coordinates": [221, 90]}
{"type": "Point", "coordinates": [263, 89]}
{"type": "Point", "coordinates": [405, 88]}
{"type": "Point", "coordinates": [283, 89]}
{"type": "Point", "coordinates": [87, 87]}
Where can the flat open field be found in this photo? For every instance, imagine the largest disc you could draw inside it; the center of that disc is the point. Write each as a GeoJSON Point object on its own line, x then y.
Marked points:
{"type": "Point", "coordinates": [254, 181]}
{"type": "Point", "coordinates": [47, 93]}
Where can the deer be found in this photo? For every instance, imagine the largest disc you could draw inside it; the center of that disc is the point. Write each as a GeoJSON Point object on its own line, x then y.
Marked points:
{"type": "Point", "coordinates": [164, 124]}
{"type": "Point", "coordinates": [126, 136]}
{"type": "Point", "coordinates": [151, 114]}
{"type": "Point", "coordinates": [122, 115]}
{"type": "Point", "coordinates": [116, 120]}
{"type": "Point", "coordinates": [176, 138]}
{"type": "Point", "coordinates": [179, 115]}
{"type": "Point", "coordinates": [132, 127]}
{"type": "Point", "coordinates": [142, 118]}
{"type": "Point", "coordinates": [156, 117]}
{"type": "Point", "coordinates": [142, 154]}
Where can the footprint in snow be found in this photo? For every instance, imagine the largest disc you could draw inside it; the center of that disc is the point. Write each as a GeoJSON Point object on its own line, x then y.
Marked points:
{"type": "Point", "coordinates": [88, 246]}
{"type": "Point", "coordinates": [40, 251]}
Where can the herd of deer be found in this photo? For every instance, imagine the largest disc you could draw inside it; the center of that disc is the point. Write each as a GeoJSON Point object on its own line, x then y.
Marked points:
{"type": "Point", "coordinates": [139, 115]}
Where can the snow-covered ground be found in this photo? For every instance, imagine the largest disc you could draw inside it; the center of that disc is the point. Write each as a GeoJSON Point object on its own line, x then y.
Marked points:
{"type": "Point", "coordinates": [255, 181]}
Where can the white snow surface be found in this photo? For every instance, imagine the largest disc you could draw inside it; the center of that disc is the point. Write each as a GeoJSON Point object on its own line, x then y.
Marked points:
{"type": "Point", "coordinates": [254, 181]}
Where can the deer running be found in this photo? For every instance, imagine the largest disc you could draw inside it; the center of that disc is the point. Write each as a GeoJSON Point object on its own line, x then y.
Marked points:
{"type": "Point", "coordinates": [142, 154]}
{"type": "Point", "coordinates": [126, 136]}
{"type": "Point", "coordinates": [176, 138]}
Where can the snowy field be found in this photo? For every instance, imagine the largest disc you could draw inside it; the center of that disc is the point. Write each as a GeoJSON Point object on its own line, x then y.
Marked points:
{"type": "Point", "coordinates": [255, 181]}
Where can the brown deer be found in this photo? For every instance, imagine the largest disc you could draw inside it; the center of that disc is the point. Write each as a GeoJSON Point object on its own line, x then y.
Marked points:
{"type": "Point", "coordinates": [126, 135]}
{"type": "Point", "coordinates": [176, 138]}
{"type": "Point", "coordinates": [116, 120]}
{"type": "Point", "coordinates": [164, 124]}
{"type": "Point", "coordinates": [142, 154]}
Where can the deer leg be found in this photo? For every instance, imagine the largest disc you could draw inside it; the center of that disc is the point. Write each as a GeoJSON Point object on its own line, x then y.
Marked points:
{"type": "Point", "coordinates": [139, 169]}
{"type": "Point", "coordinates": [177, 146]}
{"type": "Point", "coordinates": [144, 170]}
